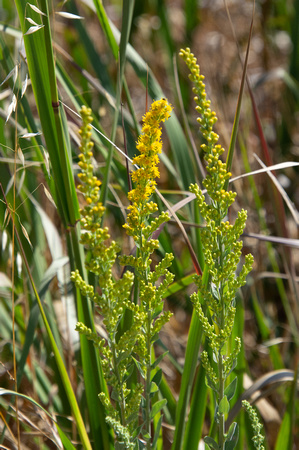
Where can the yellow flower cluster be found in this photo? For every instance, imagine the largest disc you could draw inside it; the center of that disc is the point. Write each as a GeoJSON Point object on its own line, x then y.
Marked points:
{"type": "Point", "coordinates": [149, 145]}
{"type": "Point", "coordinates": [90, 185]}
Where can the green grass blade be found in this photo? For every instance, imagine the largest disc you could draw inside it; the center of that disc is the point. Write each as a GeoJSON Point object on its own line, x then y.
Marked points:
{"type": "Point", "coordinates": [67, 445]}
{"type": "Point", "coordinates": [59, 361]}
{"type": "Point", "coordinates": [234, 134]}
{"type": "Point", "coordinates": [93, 56]}
{"type": "Point", "coordinates": [92, 370]}
{"type": "Point", "coordinates": [194, 339]}
{"type": "Point", "coordinates": [191, 359]}
{"type": "Point", "coordinates": [286, 431]}
{"type": "Point", "coordinates": [8, 64]}
{"type": "Point", "coordinates": [179, 285]}
{"type": "Point", "coordinates": [54, 125]}
{"type": "Point", "coordinates": [43, 89]}
{"type": "Point", "coordinates": [128, 7]}
{"type": "Point", "coordinates": [192, 10]}
{"type": "Point", "coordinates": [34, 317]}
{"type": "Point", "coordinates": [173, 127]}
{"type": "Point", "coordinates": [103, 19]}
{"type": "Point", "coordinates": [238, 330]}
{"type": "Point", "coordinates": [197, 412]}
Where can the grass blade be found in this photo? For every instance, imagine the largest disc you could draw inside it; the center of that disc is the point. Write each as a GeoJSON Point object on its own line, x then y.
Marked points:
{"type": "Point", "coordinates": [286, 431]}
{"type": "Point", "coordinates": [234, 134]}
{"type": "Point", "coordinates": [191, 359]}
{"type": "Point", "coordinates": [197, 412]}
{"type": "Point", "coordinates": [42, 74]}
{"type": "Point", "coordinates": [128, 7]}
{"type": "Point", "coordinates": [60, 364]}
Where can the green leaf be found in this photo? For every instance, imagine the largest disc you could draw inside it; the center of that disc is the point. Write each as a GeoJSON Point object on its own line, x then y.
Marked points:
{"type": "Point", "coordinates": [157, 407]}
{"type": "Point", "coordinates": [158, 311]}
{"type": "Point", "coordinates": [137, 431]}
{"type": "Point", "coordinates": [154, 387]}
{"type": "Point", "coordinates": [132, 418]}
{"type": "Point", "coordinates": [157, 432]}
{"type": "Point", "coordinates": [230, 445]}
{"type": "Point", "coordinates": [158, 360]}
{"type": "Point", "coordinates": [106, 27]}
{"type": "Point", "coordinates": [130, 369]}
{"type": "Point", "coordinates": [232, 437]}
{"type": "Point", "coordinates": [122, 356]}
{"type": "Point", "coordinates": [154, 338]}
{"type": "Point", "coordinates": [157, 377]}
{"type": "Point", "coordinates": [139, 367]}
{"type": "Point", "coordinates": [224, 406]}
{"type": "Point", "coordinates": [211, 443]}
{"type": "Point", "coordinates": [234, 363]}
{"type": "Point", "coordinates": [115, 395]}
{"type": "Point", "coordinates": [145, 434]}
{"type": "Point", "coordinates": [232, 431]}
{"type": "Point", "coordinates": [231, 389]}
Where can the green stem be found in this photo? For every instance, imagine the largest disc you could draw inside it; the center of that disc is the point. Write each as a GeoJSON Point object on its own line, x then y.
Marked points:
{"type": "Point", "coordinates": [221, 432]}
{"type": "Point", "coordinates": [148, 382]}
{"type": "Point", "coordinates": [122, 402]}
{"type": "Point", "coordinates": [147, 308]}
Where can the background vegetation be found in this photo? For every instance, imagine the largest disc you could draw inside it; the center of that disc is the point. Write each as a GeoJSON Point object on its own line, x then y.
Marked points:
{"type": "Point", "coordinates": [35, 170]}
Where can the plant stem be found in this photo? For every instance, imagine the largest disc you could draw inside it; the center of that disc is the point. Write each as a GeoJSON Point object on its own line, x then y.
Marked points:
{"type": "Point", "coordinates": [221, 437]}
{"type": "Point", "coordinates": [122, 402]}
{"type": "Point", "coordinates": [148, 382]}
{"type": "Point", "coordinates": [221, 432]}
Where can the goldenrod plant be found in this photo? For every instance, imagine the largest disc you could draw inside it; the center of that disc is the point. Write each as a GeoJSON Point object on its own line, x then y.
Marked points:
{"type": "Point", "coordinates": [134, 347]}
{"type": "Point", "coordinates": [215, 300]}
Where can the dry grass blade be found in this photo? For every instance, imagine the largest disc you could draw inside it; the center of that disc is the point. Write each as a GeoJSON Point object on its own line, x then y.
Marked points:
{"type": "Point", "coordinates": [270, 380]}
{"type": "Point", "coordinates": [283, 193]}
{"type": "Point", "coordinates": [242, 84]}
{"type": "Point", "coordinates": [190, 248]}
{"type": "Point", "coordinates": [276, 240]}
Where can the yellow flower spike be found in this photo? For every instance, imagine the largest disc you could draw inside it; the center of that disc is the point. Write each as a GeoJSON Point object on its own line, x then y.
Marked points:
{"type": "Point", "coordinates": [149, 146]}
{"type": "Point", "coordinates": [141, 228]}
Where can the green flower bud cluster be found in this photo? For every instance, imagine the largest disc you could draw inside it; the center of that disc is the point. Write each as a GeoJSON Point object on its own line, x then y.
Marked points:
{"type": "Point", "coordinates": [123, 436]}
{"type": "Point", "coordinates": [214, 301]}
{"type": "Point", "coordinates": [112, 300]}
{"type": "Point", "coordinates": [258, 438]}
{"type": "Point", "coordinates": [207, 117]}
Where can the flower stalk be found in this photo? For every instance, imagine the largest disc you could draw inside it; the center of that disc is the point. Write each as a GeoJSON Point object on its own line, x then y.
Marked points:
{"type": "Point", "coordinates": [222, 251]}
{"type": "Point", "coordinates": [140, 225]}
